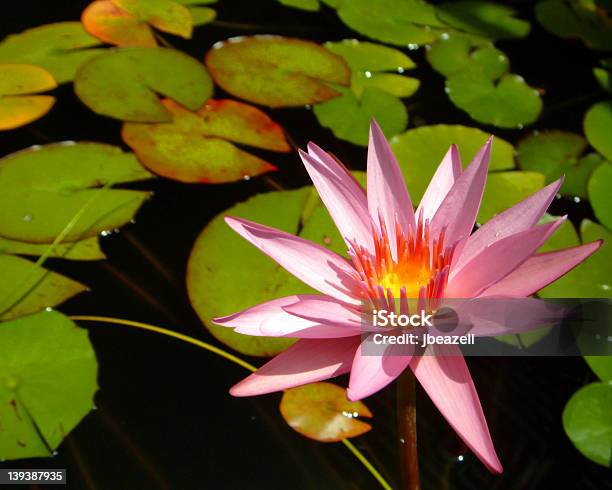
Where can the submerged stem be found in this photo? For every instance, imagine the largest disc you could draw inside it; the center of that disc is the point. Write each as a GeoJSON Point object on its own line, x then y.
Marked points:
{"type": "Point", "coordinates": [230, 357]}
{"type": "Point", "coordinates": [407, 428]}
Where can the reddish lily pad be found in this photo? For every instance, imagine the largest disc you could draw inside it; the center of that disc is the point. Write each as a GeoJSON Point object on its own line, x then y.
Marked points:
{"type": "Point", "coordinates": [277, 71]}
{"type": "Point", "coordinates": [17, 108]}
{"type": "Point", "coordinates": [104, 20]}
{"type": "Point", "coordinates": [321, 411]}
{"type": "Point", "coordinates": [60, 48]}
{"type": "Point", "coordinates": [165, 15]}
{"type": "Point", "coordinates": [123, 83]}
{"type": "Point", "coordinates": [197, 146]}
{"type": "Point", "coordinates": [130, 22]}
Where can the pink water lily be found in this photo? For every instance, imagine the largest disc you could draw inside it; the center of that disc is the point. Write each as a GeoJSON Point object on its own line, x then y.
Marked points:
{"type": "Point", "coordinates": [395, 252]}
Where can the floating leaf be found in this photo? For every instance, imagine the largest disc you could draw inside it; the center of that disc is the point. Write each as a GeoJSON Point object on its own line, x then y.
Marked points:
{"type": "Point", "coordinates": [104, 20]}
{"type": "Point", "coordinates": [226, 273]}
{"type": "Point", "coordinates": [321, 411]}
{"type": "Point", "coordinates": [349, 118]}
{"type": "Point", "coordinates": [123, 83]}
{"type": "Point", "coordinates": [308, 5]}
{"type": "Point", "coordinates": [600, 184]}
{"type": "Point", "coordinates": [453, 53]}
{"type": "Point", "coordinates": [60, 48]}
{"type": "Point", "coordinates": [601, 366]}
{"type": "Point", "coordinates": [400, 22]}
{"type": "Point", "coordinates": [129, 22]}
{"type": "Point", "coordinates": [581, 20]}
{"type": "Point", "coordinates": [369, 62]}
{"type": "Point", "coordinates": [482, 18]}
{"type": "Point", "coordinates": [419, 152]}
{"type": "Point", "coordinates": [44, 189]}
{"type": "Point", "coordinates": [598, 127]}
{"type": "Point", "coordinates": [591, 279]}
{"type": "Point", "coordinates": [165, 15]}
{"type": "Point", "coordinates": [87, 249]}
{"type": "Point", "coordinates": [276, 71]}
{"type": "Point", "coordinates": [26, 288]}
{"type": "Point", "coordinates": [556, 153]}
{"type": "Point", "coordinates": [47, 383]}
{"type": "Point", "coordinates": [524, 340]}
{"type": "Point", "coordinates": [587, 420]}
{"type": "Point", "coordinates": [603, 74]}
{"type": "Point", "coordinates": [16, 107]}
{"type": "Point", "coordinates": [564, 237]}
{"type": "Point", "coordinates": [507, 103]}
{"type": "Point", "coordinates": [505, 189]}
{"type": "Point", "coordinates": [197, 146]}
{"type": "Point", "coordinates": [478, 82]}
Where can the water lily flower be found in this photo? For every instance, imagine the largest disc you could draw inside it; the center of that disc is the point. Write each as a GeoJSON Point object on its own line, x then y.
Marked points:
{"type": "Point", "coordinates": [395, 252]}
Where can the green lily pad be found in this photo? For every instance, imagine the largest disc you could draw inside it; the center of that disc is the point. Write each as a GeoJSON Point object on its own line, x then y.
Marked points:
{"type": "Point", "coordinates": [524, 340]}
{"type": "Point", "coordinates": [591, 279]}
{"type": "Point", "coordinates": [60, 48]}
{"type": "Point", "coordinates": [505, 189]}
{"type": "Point", "coordinates": [17, 106]}
{"type": "Point", "coordinates": [557, 153]}
{"type": "Point", "coordinates": [399, 22]}
{"type": "Point", "coordinates": [44, 189]}
{"type": "Point", "coordinates": [369, 62]}
{"type": "Point", "coordinates": [197, 146]}
{"type": "Point", "coordinates": [598, 127]}
{"type": "Point", "coordinates": [587, 420]}
{"type": "Point", "coordinates": [130, 23]}
{"type": "Point", "coordinates": [349, 118]}
{"type": "Point", "coordinates": [48, 373]}
{"type": "Point", "coordinates": [124, 83]}
{"type": "Point", "coordinates": [564, 237]}
{"type": "Point", "coordinates": [165, 15]}
{"type": "Point", "coordinates": [601, 366]}
{"type": "Point", "coordinates": [26, 288]}
{"type": "Point", "coordinates": [576, 19]}
{"type": "Point", "coordinates": [506, 103]}
{"type": "Point", "coordinates": [485, 19]}
{"type": "Point", "coordinates": [599, 193]}
{"type": "Point", "coordinates": [226, 274]}
{"type": "Point", "coordinates": [603, 74]}
{"type": "Point", "coordinates": [308, 5]}
{"type": "Point", "coordinates": [419, 151]}
{"type": "Point", "coordinates": [276, 71]}
{"type": "Point", "coordinates": [87, 249]}
{"type": "Point", "coordinates": [321, 411]}
{"type": "Point", "coordinates": [453, 53]}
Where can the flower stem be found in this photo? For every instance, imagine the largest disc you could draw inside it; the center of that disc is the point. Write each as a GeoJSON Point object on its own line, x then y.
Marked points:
{"type": "Point", "coordinates": [407, 428]}
{"type": "Point", "coordinates": [230, 357]}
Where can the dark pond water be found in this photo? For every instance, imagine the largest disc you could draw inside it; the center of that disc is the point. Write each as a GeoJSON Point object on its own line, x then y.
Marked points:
{"type": "Point", "coordinates": [164, 417]}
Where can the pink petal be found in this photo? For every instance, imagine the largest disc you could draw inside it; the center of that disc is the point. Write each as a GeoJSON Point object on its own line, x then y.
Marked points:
{"type": "Point", "coordinates": [518, 218]}
{"type": "Point", "coordinates": [446, 174]}
{"type": "Point", "coordinates": [446, 379]}
{"type": "Point", "coordinates": [313, 264]}
{"type": "Point", "coordinates": [497, 261]}
{"type": "Point", "coordinates": [457, 212]}
{"type": "Point", "coordinates": [306, 361]}
{"type": "Point", "coordinates": [342, 196]}
{"type": "Point", "coordinates": [540, 270]}
{"type": "Point", "coordinates": [276, 318]}
{"type": "Point", "coordinates": [371, 373]}
{"type": "Point", "coordinates": [388, 196]}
